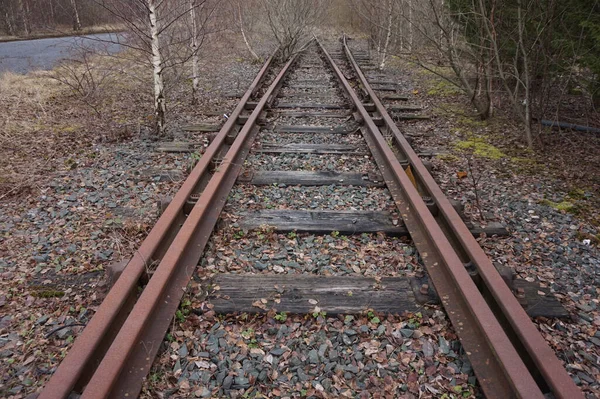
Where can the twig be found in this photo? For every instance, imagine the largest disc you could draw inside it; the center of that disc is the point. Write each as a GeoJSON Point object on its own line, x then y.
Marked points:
{"type": "Point", "coordinates": [57, 329]}
{"type": "Point", "coordinates": [475, 186]}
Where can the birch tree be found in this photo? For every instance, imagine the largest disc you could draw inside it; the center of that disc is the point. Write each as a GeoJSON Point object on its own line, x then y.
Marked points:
{"type": "Point", "coordinates": [194, 48]}
{"type": "Point", "coordinates": [160, 107]}
{"type": "Point", "coordinates": [169, 33]}
{"type": "Point", "coordinates": [24, 12]}
{"type": "Point", "coordinates": [76, 20]}
{"type": "Point", "coordinates": [388, 33]}
{"type": "Point", "coordinates": [242, 26]}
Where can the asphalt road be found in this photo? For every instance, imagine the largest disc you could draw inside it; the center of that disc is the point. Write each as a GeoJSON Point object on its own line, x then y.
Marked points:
{"type": "Point", "coordinates": [28, 55]}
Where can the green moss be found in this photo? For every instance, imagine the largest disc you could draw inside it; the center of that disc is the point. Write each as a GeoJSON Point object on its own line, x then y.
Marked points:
{"type": "Point", "coordinates": [448, 157]}
{"type": "Point", "coordinates": [560, 206]}
{"type": "Point", "coordinates": [480, 148]}
{"type": "Point", "coordinates": [449, 109]}
{"type": "Point", "coordinates": [523, 161]}
{"type": "Point", "coordinates": [49, 293]}
{"type": "Point", "coordinates": [576, 91]}
{"type": "Point", "coordinates": [471, 121]}
{"type": "Point", "coordinates": [70, 128]}
{"type": "Point", "coordinates": [443, 88]}
{"type": "Point", "coordinates": [577, 194]}
{"type": "Point", "coordinates": [436, 71]}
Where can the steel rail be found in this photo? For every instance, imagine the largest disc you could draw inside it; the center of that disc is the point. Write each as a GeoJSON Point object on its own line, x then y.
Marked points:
{"type": "Point", "coordinates": [541, 360]}
{"type": "Point", "coordinates": [90, 347]}
{"type": "Point", "coordinates": [499, 368]}
{"type": "Point", "coordinates": [132, 353]}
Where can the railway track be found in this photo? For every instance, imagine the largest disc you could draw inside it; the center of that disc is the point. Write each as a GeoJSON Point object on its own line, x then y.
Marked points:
{"type": "Point", "coordinates": [310, 152]}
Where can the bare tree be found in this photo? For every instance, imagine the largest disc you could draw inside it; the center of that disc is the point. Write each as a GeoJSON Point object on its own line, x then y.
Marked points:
{"type": "Point", "coordinates": [160, 106]}
{"type": "Point", "coordinates": [24, 12]}
{"type": "Point", "coordinates": [169, 33]}
{"type": "Point", "coordinates": [83, 76]}
{"type": "Point", "coordinates": [240, 18]}
{"type": "Point", "coordinates": [435, 28]}
{"type": "Point", "coordinates": [388, 33]}
{"type": "Point", "coordinates": [76, 20]}
{"type": "Point", "coordinates": [194, 47]}
{"type": "Point", "coordinates": [289, 21]}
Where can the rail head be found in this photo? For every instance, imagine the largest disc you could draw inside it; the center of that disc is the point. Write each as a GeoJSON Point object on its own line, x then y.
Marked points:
{"type": "Point", "coordinates": [79, 364]}
{"type": "Point", "coordinates": [521, 327]}
{"type": "Point", "coordinates": [501, 371]}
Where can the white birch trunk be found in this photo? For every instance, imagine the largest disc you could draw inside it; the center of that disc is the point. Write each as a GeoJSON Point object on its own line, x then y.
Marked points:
{"type": "Point", "coordinates": [241, 19]}
{"type": "Point", "coordinates": [76, 20]}
{"type": "Point", "coordinates": [410, 25]}
{"type": "Point", "coordinates": [388, 35]}
{"type": "Point", "coordinates": [11, 29]}
{"type": "Point", "coordinates": [23, 9]}
{"type": "Point", "coordinates": [194, 45]}
{"type": "Point", "coordinates": [157, 65]}
{"type": "Point", "coordinates": [526, 83]}
{"type": "Point", "coordinates": [51, 19]}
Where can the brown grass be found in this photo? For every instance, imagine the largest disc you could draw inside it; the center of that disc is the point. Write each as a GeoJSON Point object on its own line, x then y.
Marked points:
{"type": "Point", "coordinates": [63, 31]}
{"type": "Point", "coordinates": [44, 121]}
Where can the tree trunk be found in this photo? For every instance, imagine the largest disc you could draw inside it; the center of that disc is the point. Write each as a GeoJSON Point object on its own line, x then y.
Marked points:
{"type": "Point", "coordinates": [410, 26]}
{"type": "Point", "coordinates": [9, 25]}
{"type": "Point", "coordinates": [241, 19]}
{"type": "Point", "coordinates": [489, 81]}
{"type": "Point", "coordinates": [76, 20]}
{"type": "Point", "coordinates": [194, 45]}
{"type": "Point", "coordinates": [388, 34]}
{"type": "Point", "coordinates": [157, 66]}
{"type": "Point", "coordinates": [526, 78]}
{"type": "Point", "coordinates": [23, 10]}
{"type": "Point", "coordinates": [51, 16]}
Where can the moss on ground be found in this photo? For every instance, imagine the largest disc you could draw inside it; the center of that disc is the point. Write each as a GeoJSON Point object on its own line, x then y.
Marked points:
{"type": "Point", "coordinates": [472, 121]}
{"type": "Point", "coordinates": [443, 88]}
{"type": "Point", "coordinates": [523, 161]}
{"type": "Point", "coordinates": [48, 293]}
{"type": "Point", "coordinates": [566, 206]}
{"type": "Point", "coordinates": [577, 194]}
{"type": "Point", "coordinates": [480, 148]}
{"type": "Point", "coordinates": [448, 157]}
{"type": "Point", "coordinates": [70, 128]}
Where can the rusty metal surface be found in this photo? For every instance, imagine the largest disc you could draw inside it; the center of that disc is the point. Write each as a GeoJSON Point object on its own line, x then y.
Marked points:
{"type": "Point", "coordinates": [541, 359]}
{"type": "Point", "coordinates": [499, 368]}
{"type": "Point", "coordinates": [132, 352]}
{"type": "Point", "coordinates": [91, 346]}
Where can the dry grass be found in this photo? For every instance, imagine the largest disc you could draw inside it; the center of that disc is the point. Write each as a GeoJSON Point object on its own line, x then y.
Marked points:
{"type": "Point", "coordinates": [26, 102]}
{"type": "Point", "coordinates": [44, 121]}
{"type": "Point", "coordinates": [63, 31]}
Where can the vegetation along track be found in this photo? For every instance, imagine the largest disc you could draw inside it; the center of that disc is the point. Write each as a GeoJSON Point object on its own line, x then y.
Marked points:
{"type": "Point", "coordinates": [314, 159]}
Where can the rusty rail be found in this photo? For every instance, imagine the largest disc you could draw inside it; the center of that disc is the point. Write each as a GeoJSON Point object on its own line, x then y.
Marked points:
{"type": "Point", "coordinates": [117, 348]}
{"type": "Point", "coordinates": [501, 369]}
{"type": "Point", "coordinates": [541, 360]}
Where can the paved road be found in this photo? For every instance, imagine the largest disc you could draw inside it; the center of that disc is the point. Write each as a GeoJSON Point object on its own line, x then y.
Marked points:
{"type": "Point", "coordinates": [27, 55]}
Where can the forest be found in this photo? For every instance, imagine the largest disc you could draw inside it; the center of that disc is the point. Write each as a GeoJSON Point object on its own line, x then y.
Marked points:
{"type": "Point", "coordinates": [518, 56]}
